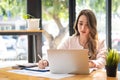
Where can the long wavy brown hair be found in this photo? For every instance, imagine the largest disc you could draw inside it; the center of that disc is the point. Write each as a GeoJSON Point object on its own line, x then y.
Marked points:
{"type": "Point", "coordinates": [93, 35]}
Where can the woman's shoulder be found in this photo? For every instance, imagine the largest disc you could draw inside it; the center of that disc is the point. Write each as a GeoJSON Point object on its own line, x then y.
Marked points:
{"type": "Point", "coordinates": [70, 39]}
{"type": "Point", "coordinates": [73, 37]}
{"type": "Point", "coordinates": [68, 42]}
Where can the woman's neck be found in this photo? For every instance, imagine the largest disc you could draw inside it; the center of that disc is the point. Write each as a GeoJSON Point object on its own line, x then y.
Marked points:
{"type": "Point", "coordinates": [83, 41]}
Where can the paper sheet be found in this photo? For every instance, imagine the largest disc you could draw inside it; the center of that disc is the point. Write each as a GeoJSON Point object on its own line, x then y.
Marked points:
{"type": "Point", "coordinates": [41, 74]}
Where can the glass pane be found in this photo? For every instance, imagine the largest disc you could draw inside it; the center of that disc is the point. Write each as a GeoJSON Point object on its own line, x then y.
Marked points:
{"type": "Point", "coordinates": [98, 7]}
{"type": "Point", "coordinates": [54, 22]}
{"type": "Point", "coordinates": [12, 50]}
{"type": "Point", "coordinates": [116, 24]}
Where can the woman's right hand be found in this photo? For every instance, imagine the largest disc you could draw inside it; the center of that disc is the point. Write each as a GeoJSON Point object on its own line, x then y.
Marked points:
{"type": "Point", "coordinates": [42, 64]}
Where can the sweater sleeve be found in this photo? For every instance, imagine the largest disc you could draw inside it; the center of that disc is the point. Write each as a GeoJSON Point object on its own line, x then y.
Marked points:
{"type": "Point", "coordinates": [101, 55]}
{"type": "Point", "coordinates": [64, 44]}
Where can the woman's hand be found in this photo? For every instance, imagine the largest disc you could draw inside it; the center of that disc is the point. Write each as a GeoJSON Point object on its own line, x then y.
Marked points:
{"type": "Point", "coordinates": [42, 64]}
{"type": "Point", "coordinates": [91, 64]}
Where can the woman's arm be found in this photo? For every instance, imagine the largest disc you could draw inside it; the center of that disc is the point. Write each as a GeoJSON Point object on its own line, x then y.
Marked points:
{"type": "Point", "coordinates": [101, 55]}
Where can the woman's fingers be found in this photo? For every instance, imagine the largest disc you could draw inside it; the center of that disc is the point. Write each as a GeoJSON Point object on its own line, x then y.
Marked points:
{"type": "Point", "coordinates": [45, 63]}
{"type": "Point", "coordinates": [42, 64]}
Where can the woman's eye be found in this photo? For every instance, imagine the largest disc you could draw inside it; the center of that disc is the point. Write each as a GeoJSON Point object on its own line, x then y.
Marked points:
{"type": "Point", "coordinates": [80, 24]}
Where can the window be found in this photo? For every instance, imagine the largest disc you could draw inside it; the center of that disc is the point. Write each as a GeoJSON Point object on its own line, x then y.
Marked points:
{"type": "Point", "coordinates": [115, 25]}
{"type": "Point", "coordinates": [98, 7]}
{"type": "Point", "coordinates": [12, 50]}
{"type": "Point", "coordinates": [55, 22]}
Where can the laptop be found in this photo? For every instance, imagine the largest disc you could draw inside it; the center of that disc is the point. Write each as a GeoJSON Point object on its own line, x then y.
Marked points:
{"type": "Point", "coordinates": [63, 61]}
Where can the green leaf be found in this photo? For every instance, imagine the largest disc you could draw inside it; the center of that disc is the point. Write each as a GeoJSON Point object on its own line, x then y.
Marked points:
{"type": "Point", "coordinates": [112, 57]}
{"type": "Point", "coordinates": [28, 16]}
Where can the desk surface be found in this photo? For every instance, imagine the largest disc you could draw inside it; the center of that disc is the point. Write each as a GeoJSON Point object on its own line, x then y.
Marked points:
{"type": "Point", "coordinates": [96, 75]}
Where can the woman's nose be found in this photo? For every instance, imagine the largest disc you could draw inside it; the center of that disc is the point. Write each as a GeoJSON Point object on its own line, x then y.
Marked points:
{"type": "Point", "coordinates": [82, 27]}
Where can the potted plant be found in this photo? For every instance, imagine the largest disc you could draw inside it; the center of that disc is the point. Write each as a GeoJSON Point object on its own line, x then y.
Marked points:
{"type": "Point", "coordinates": [32, 22]}
{"type": "Point", "coordinates": [112, 61]}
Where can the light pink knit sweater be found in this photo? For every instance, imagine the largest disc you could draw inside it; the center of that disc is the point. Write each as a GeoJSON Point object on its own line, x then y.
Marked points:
{"type": "Point", "coordinates": [73, 43]}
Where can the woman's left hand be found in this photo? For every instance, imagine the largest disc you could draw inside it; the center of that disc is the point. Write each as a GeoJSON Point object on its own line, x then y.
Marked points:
{"type": "Point", "coordinates": [91, 64]}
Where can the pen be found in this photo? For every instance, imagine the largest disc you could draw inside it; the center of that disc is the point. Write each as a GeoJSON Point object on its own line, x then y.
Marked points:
{"type": "Point", "coordinates": [42, 70]}
{"type": "Point", "coordinates": [39, 57]}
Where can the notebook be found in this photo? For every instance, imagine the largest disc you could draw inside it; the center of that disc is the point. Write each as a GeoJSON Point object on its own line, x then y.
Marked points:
{"type": "Point", "coordinates": [68, 61]}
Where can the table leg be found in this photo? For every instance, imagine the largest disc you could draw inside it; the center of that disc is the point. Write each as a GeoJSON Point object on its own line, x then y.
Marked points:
{"type": "Point", "coordinates": [34, 47]}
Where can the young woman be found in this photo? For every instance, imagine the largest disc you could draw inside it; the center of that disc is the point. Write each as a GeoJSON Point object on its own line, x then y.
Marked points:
{"type": "Point", "coordinates": [85, 37]}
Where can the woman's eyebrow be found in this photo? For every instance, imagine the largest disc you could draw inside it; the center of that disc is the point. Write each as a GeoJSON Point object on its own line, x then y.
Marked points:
{"type": "Point", "coordinates": [80, 21]}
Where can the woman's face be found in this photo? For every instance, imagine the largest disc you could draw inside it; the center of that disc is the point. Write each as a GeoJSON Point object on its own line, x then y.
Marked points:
{"type": "Point", "coordinates": [83, 26]}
